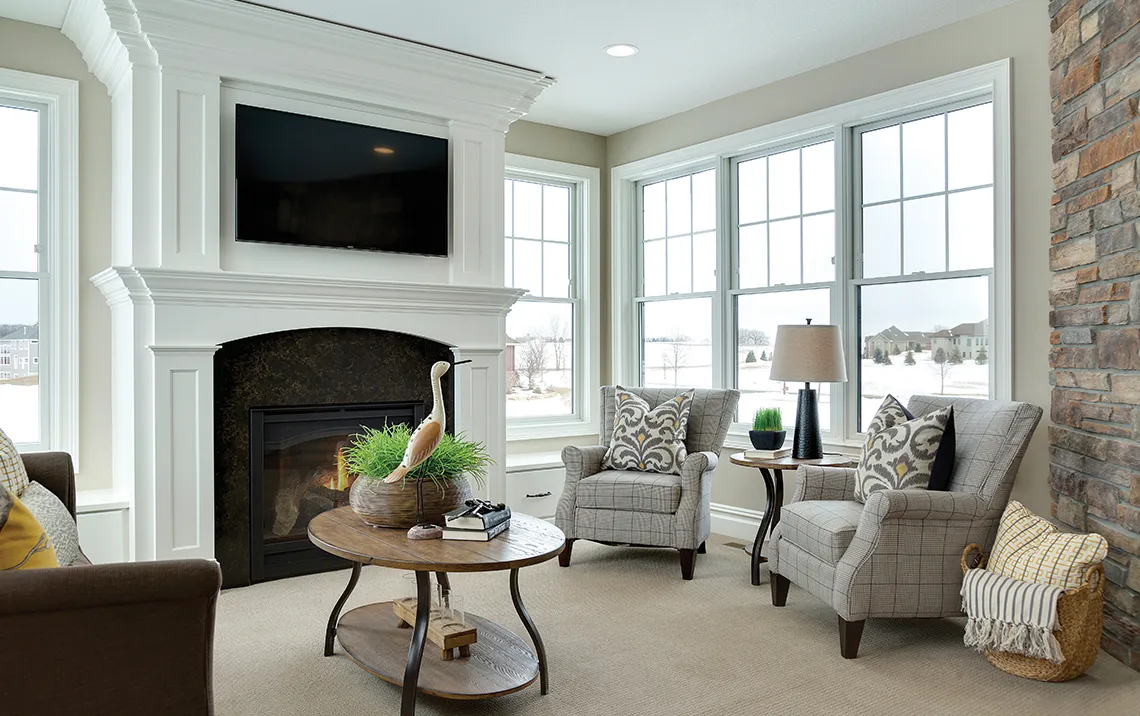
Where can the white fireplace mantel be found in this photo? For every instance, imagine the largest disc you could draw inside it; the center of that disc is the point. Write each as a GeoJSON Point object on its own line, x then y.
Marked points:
{"type": "Point", "coordinates": [179, 284]}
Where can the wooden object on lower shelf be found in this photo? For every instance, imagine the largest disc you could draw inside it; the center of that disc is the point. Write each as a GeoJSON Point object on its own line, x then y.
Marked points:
{"type": "Point", "coordinates": [447, 636]}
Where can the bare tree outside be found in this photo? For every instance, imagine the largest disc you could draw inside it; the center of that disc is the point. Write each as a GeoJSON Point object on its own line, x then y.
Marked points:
{"type": "Point", "coordinates": [676, 357]}
{"type": "Point", "coordinates": [559, 341]}
{"type": "Point", "coordinates": [753, 337]}
{"type": "Point", "coordinates": [532, 360]}
{"type": "Point", "coordinates": [942, 366]}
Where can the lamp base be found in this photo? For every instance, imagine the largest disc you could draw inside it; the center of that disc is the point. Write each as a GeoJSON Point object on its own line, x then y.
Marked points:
{"type": "Point", "coordinates": [807, 443]}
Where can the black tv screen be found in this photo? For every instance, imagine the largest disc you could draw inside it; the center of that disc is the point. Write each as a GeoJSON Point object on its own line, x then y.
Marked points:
{"type": "Point", "coordinates": [318, 182]}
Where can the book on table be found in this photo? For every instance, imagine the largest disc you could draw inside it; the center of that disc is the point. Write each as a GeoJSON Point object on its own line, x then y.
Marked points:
{"type": "Point", "coordinates": [768, 454]}
{"type": "Point", "coordinates": [477, 515]}
{"type": "Point", "coordinates": [476, 535]}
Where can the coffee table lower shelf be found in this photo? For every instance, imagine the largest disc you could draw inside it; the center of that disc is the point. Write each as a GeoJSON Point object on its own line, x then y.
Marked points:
{"type": "Point", "coordinates": [500, 663]}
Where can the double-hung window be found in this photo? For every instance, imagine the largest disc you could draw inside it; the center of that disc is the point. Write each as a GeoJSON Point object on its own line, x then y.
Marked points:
{"type": "Point", "coordinates": [678, 280]}
{"type": "Point", "coordinates": [550, 224]}
{"type": "Point", "coordinates": [888, 216]}
{"type": "Point", "coordinates": [924, 231]}
{"type": "Point", "coordinates": [37, 253]}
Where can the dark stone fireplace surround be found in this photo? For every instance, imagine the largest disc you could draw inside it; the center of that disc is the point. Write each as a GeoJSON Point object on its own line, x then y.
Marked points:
{"type": "Point", "coordinates": [308, 367]}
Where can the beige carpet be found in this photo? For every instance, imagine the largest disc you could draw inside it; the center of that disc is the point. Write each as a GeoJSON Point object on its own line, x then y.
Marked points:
{"type": "Point", "coordinates": [627, 637]}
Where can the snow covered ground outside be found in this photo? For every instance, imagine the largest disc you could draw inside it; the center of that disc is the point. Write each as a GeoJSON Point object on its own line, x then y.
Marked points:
{"type": "Point", "coordinates": [20, 412]}
{"type": "Point", "coordinates": [669, 365]}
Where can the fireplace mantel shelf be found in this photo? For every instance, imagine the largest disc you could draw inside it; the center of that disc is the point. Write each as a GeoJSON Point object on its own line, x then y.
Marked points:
{"type": "Point", "coordinates": [121, 284]}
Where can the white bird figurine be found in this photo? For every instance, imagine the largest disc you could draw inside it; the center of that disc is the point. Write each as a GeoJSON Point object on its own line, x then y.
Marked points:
{"type": "Point", "coordinates": [425, 439]}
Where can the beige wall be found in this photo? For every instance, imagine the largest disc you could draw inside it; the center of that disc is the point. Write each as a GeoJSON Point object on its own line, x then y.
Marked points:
{"type": "Point", "coordinates": [1019, 31]}
{"type": "Point", "coordinates": [43, 50]}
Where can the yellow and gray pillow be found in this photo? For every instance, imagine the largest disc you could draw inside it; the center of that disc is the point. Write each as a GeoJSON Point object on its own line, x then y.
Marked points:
{"type": "Point", "coordinates": [23, 542]}
{"type": "Point", "coordinates": [905, 453]}
{"type": "Point", "coordinates": [1029, 548]}
{"type": "Point", "coordinates": [649, 439]}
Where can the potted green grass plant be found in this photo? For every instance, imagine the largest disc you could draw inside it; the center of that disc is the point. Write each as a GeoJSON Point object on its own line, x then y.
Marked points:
{"type": "Point", "coordinates": [442, 479]}
{"type": "Point", "coordinates": [767, 431]}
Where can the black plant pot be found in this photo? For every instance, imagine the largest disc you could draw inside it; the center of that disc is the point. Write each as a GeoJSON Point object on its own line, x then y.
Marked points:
{"type": "Point", "coordinates": [767, 439]}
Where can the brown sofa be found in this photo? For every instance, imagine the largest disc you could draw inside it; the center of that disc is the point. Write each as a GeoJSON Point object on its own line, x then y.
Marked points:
{"type": "Point", "coordinates": [95, 640]}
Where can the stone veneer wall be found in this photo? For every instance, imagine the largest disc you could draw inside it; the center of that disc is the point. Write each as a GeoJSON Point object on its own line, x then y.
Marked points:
{"type": "Point", "coordinates": [1095, 294]}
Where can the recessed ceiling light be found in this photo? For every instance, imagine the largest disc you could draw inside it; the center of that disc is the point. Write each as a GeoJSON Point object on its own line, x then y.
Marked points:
{"type": "Point", "coordinates": [621, 50]}
{"type": "Point", "coordinates": [383, 150]}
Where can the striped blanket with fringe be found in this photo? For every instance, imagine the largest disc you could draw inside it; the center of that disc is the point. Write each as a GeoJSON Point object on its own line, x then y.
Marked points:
{"type": "Point", "coordinates": [1007, 614]}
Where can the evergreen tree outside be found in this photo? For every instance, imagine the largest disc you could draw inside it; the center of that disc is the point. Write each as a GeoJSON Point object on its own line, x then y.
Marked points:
{"type": "Point", "coordinates": [955, 357]}
{"type": "Point", "coordinates": [909, 360]}
{"type": "Point", "coordinates": [751, 357]}
{"type": "Point", "coordinates": [879, 356]}
{"type": "Point", "coordinates": [982, 357]}
{"type": "Point", "coordinates": [887, 359]}
{"type": "Point", "coordinates": [895, 351]}
{"type": "Point", "coordinates": [764, 355]}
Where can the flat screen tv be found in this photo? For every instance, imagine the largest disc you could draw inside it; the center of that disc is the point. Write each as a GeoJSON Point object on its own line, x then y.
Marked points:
{"type": "Point", "coordinates": [310, 181]}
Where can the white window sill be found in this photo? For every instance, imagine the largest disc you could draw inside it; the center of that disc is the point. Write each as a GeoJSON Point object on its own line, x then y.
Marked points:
{"type": "Point", "coordinates": [737, 439]}
{"type": "Point", "coordinates": [540, 431]}
{"type": "Point", "coordinates": [525, 462]}
{"type": "Point", "coordinates": [87, 501]}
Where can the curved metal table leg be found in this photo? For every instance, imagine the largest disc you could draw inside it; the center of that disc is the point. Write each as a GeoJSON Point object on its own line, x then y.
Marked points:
{"type": "Point", "coordinates": [416, 650]}
{"type": "Point", "coordinates": [539, 649]}
{"type": "Point", "coordinates": [779, 478]}
{"type": "Point", "coordinates": [330, 632]}
{"type": "Point", "coordinates": [770, 509]}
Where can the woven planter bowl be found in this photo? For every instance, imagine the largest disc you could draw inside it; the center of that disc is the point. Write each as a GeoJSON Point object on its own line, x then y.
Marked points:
{"type": "Point", "coordinates": [394, 505]}
{"type": "Point", "coordinates": [1080, 619]}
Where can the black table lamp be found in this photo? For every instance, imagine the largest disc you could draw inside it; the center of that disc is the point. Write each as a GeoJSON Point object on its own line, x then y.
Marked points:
{"type": "Point", "coordinates": [808, 354]}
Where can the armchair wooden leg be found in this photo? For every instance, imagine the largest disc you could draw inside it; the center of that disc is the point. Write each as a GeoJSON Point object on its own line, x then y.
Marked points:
{"type": "Point", "coordinates": [688, 560]}
{"type": "Point", "coordinates": [701, 549]}
{"type": "Point", "coordinates": [849, 635]}
{"type": "Point", "coordinates": [780, 586]}
{"type": "Point", "coordinates": [564, 555]}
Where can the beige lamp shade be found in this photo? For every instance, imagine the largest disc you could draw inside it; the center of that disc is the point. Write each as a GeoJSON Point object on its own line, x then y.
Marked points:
{"type": "Point", "coordinates": [809, 354]}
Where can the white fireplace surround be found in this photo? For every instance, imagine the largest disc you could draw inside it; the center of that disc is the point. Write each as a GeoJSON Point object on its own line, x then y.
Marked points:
{"type": "Point", "coordinates": [179, 285]}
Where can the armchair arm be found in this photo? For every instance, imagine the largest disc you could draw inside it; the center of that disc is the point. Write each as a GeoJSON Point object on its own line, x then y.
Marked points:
{"type": "Point", "coordinates": [582, 462]}
{"type": "Point", "coordinates": [930, 505]}
{"type": "Point", "coordinates": [825, 483]}
{"type": "Point", "coordinates": [693, 469]}
{"type": "Point", "coordinates": [149, 625]}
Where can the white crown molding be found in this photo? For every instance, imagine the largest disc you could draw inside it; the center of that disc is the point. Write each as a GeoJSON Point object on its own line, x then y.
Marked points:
{"type": "Point", "coordinates": [237, 40]}
{"type": "Point", "coordinates": [121, 284]}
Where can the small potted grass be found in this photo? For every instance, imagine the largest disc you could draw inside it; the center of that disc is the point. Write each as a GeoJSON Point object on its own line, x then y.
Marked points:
{"type": "Point", "coordinates": [441, 480]}
{"type": "Point", "coordinates": [767, 431]}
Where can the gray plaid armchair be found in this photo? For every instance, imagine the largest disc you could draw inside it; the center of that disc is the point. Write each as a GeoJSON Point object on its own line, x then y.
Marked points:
{"type": "Point", "coordinates": [621, 507]}
{"type": "Point", "coordinates": [899, 554]}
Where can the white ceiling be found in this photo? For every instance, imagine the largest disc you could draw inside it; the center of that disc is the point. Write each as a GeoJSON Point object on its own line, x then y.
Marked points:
{"type": "Point", "coordinates": [692, 51]}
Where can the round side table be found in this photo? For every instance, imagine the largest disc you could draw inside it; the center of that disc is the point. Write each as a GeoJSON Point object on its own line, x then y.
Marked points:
{"type": "Point", "coordinates": [499, 662]}
{"type": "Point", "coordinates": [773, 473]}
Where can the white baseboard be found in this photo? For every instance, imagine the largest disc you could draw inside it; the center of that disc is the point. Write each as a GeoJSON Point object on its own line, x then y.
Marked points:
{"type": "Point", "coordinates": [736, 522]}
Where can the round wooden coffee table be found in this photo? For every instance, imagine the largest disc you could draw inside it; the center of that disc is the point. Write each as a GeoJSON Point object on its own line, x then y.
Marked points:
{"type": "Point", "coordinates": [774, 489]}
{"type": "Point", "coordinates": [499, 662]}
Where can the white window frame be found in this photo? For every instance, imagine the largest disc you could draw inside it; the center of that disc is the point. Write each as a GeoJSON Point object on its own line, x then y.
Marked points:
{"type": "Point", "coordinates": [585, 271]}
{"type": "Point", "coordinates": [57, 99]}
{"type": "Point", "coordinates": [991, 81]}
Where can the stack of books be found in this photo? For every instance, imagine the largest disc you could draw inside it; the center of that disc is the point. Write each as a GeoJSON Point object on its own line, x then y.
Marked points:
{"type": "Point", "coordinates": [768, 454]}
{"type": "Point", "coordinates": [476, 520]}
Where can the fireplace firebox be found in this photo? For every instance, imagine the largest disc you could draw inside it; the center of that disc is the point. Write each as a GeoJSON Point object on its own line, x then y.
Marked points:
{"type": "Point", "coordinates": [297, 471]}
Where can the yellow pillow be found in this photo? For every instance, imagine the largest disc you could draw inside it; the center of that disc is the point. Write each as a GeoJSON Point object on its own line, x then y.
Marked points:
{"type": "Point", "coordinates": [23, 542]}
{"type": "Point", "coordinates": [1030, 548]}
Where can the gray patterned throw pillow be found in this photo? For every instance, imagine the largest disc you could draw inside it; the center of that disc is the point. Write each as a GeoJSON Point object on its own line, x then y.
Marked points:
{"type": "Point", "coordinates": [56, 521]}
{"type": "Point", "coordinates": [649, 440]}
{"type": "Point", "coordinates": [900, 450]}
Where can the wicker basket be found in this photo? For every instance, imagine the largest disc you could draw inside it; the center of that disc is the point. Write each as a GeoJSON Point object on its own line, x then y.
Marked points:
{"type": "Point", "coordinates": [1080, 618]}
{"type": "Point", "coordinates": [394, 505]}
